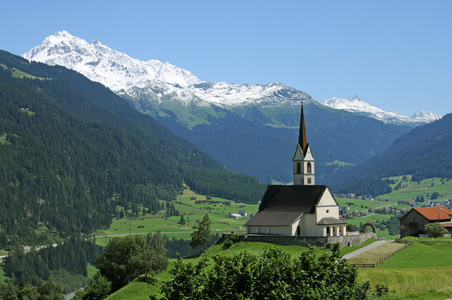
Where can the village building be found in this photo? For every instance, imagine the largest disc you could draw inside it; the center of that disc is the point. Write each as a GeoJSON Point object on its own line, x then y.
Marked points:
{"type": "Point", "coordinates": [413, 222]}
{"type": "Point", "coordinates": [301, 209]}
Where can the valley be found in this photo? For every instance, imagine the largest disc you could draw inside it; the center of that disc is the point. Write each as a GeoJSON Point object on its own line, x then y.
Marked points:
{"type": "Point", "coordinates": [161, 153]}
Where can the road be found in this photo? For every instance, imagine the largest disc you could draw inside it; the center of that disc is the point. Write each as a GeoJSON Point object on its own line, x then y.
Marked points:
{"type": "Point", "coordinates": [364, 249]}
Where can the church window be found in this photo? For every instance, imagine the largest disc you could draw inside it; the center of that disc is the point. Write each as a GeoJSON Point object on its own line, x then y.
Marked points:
{"type": "Point", "coordinates": [327, 211]}
{"type": "Point", "coordinates": [298, 168]}
{"type": "Point", "coordinates": [309, 168]}
{"type": "Point", "coordinates": [309, 179]}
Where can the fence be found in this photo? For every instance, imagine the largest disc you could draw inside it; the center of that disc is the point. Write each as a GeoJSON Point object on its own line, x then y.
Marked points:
{"type": "Point", "coordinates": [408, 243]}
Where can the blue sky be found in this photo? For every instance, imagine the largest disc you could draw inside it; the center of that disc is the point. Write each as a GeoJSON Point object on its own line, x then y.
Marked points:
{"type": "Point", "coordinates": [397, 55]}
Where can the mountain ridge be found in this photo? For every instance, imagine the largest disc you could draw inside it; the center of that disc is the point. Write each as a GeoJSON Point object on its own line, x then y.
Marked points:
{"type": "Point", "coordinates": [224, 119]}
{"type": "Point", "coordinates": [358, 106]}
{"type": "Point", "coordinates": [76, 151]}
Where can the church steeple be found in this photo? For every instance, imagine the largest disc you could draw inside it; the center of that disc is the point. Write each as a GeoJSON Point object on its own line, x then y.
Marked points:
{"type": "Point", "coordinates": [302, 135]}
{"type": "Point", "coordinates": [303, 161]}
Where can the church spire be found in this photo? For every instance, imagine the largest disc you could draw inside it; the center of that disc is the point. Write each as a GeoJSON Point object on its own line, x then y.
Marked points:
{"type": "Point", "coordinates": [303, 161]}
{"type": "Point", "coordinates": [302, 135]}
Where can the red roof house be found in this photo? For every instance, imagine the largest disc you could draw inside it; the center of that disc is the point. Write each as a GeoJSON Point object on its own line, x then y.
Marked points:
{"type": "Point", "coordinates": [413, 222]}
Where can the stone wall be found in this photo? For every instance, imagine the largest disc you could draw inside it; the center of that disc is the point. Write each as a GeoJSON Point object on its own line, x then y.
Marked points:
{"type": "Point", "coordinates": [352, 240]}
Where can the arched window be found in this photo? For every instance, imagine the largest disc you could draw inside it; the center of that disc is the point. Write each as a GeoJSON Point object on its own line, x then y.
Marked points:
{"type": "Point", "coordinates": [309, 180]}
{"type": "Point", "coordinates": [309, 168]}
{"type": "Point", "coordinates": [298, 168]}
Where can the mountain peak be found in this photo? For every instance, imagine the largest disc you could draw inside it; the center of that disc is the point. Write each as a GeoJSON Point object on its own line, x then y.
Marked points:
{"type": "Point", "coordinates": [99, 63]}
{"type": "Point", "coordinates": [153, 79]}
{"type": "Point", "coordinates": [357, 106]}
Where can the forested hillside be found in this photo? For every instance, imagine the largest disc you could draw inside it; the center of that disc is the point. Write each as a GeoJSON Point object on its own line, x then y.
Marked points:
{"type": "Point", "coordinates": [67, 162]}
{"type": "Point", "coordinates": [424, 152]}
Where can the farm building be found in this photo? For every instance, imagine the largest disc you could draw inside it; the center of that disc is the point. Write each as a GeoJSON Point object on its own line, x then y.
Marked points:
{"type": "Point", "coordinates": [413, 222]}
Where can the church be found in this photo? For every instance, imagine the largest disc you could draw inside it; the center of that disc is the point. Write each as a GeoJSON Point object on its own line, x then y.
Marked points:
{"type": "Point", "coordinates": [301, 209]}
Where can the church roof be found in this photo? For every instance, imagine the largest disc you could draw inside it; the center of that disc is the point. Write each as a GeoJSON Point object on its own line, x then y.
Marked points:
{"type": "Point", "coordinates": [282, 205]}
{"type": "Point", "coordinates": [330, 221]}
{"type": "Point", "coordinates": [302, 134]}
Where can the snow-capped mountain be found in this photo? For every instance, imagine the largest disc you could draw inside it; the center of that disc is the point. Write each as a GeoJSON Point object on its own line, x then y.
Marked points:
{"type": "Point", "coordinates": [99, 63]}
{"type": "Point", "coordinates": [224, 119]}
{"type": "Point", "coordinates": [358, 106]}
{"type": "Point", "coordinates": [134, 78]}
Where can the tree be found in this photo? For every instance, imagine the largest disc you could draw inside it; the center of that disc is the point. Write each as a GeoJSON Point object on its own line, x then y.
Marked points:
{"type": "Point", "coordinates": [182, 220]}
{"type": "Point", "coordinates": [203, 235]}
{"type": "Point", "coordinates": [98, 289]}
{"type": "Point", "coordinates": [50, 290]}
{"type": "Point", "coordinates": [126, 258]}
{"type": "Point", "coordinates": [272, 275]}
{"type": "Point", "coordinates": [434, 229]}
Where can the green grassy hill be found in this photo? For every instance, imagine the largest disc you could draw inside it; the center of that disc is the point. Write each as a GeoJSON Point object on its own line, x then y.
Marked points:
{"type": "Point", "coordinates": [190, 205]}
{"type": "Point", "coordinates": [421, 271]}
{"type": "Point", "coordinates": [141, 290]}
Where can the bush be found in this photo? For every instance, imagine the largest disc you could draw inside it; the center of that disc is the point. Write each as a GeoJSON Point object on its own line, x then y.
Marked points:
{"type": "Point", "coordinates": [272, 275]}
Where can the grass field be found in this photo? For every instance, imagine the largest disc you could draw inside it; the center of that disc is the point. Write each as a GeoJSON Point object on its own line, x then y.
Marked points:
{"type": "Point", "coordinates": [193, 207]}
{"type": "Point", "coordinates": [2, 276]}
{"type": "Point", "coordinates": [421, 271]}
{"type": "Point", "coordinates": [141, 290]}
{"type": "Point", "coordinates": [412, 189]}
{"type": "Point", "coordinates": [193, 211]}
{"type": "Point", "coordinates": [373, 256]}
{"type": "Point", "coordinates": [423, 282]}
{"type": "Point", "coordinates": [423, 254]}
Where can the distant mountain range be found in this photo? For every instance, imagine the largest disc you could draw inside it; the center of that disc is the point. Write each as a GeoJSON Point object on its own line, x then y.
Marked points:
{"type": "Point", "coordinates": [424, 152]}
{"type": "Point", "coordinates": [357, 106]}
{"type": "Point", "coordinates": [251, 128]}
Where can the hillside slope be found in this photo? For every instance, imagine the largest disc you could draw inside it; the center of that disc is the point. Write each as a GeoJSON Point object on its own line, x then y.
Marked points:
{"type": "Point", "coordinates": [250, 128]}
{"type": "Point", "coordinates": [424, 152]}
{"type": "Point", "coordinates": [67, 160]}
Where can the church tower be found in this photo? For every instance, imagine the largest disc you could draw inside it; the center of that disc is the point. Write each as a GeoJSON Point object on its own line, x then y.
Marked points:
{"type": "Point", "coordinates": [303, 161]}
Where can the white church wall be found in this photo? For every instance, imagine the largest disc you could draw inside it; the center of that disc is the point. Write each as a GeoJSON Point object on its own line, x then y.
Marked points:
{"type": "Point", "coordinates": [276, 230]}
{"type": "Point", "coordinates": [327, 207]}
{"type": "Point", "coordinates": [309, 225]}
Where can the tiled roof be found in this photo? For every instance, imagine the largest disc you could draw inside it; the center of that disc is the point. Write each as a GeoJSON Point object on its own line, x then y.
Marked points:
{"type": "Point", "coordinates": [435, 213]}
{"type": "Point", "coordinates": [330, 221]}
{"type": "Point", "coordinates": [282, 205]}
{"type": "Point", "coordinates": [447, 225]}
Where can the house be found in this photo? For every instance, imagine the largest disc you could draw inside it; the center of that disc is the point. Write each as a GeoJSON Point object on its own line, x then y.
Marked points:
{"type": "Point", "coordinates": [235, 216]}
{"type": "Point", "coordinates": [413, 222]}
{"type": "Point", "coordinates": [356, 213]}
{"type": "Point", "coordinates": [372, 209]}
{"type": "Point", "coordinates": [448, 226]}
{"type": "Point", "coordinates": [387, 209]}
{"type": "Point", "coordinates": [304, 208]}
{"type": "Point", "coordinates": [243, 213]}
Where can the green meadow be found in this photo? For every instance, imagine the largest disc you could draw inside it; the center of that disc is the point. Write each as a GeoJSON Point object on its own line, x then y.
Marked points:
{"type": "Point", "coordinates": [141, 290]}
{"type": "Point", "coordinates": [192, 207]}
{"type": "Point", "coordinates": [411, 189]}
{"type": "Point", "coordinates": [428, 277]}
{"type": "Point", "coordinates": [420, 271]}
